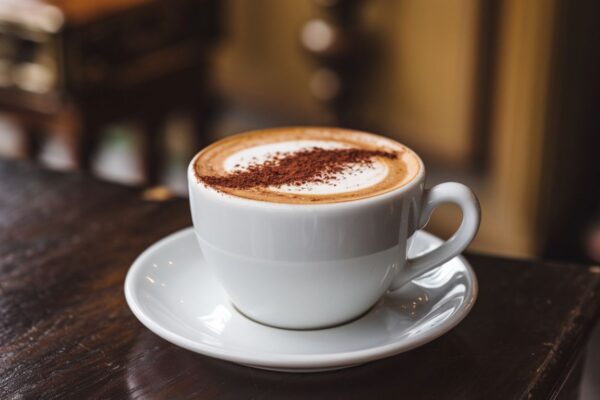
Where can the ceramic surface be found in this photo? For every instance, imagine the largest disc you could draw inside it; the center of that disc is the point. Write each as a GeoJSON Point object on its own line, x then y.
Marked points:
{"type": "Point", "coordinates": [173, 293]}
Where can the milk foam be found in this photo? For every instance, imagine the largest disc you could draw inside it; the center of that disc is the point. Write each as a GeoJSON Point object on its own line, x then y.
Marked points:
{"type": "Point", "coordinates": [353, 178]}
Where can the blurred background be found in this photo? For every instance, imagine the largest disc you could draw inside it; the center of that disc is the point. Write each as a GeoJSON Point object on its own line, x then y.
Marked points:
{"type": "Point", "coordinates": [500, 95]}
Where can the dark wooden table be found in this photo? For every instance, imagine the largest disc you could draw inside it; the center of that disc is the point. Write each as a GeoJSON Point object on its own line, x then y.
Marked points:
{"type": "Point", "coordinates": [66, 242]}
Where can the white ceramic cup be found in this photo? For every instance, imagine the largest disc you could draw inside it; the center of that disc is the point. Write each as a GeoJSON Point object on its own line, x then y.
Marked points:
{"type": "Point", "coordinates": [309, 266]}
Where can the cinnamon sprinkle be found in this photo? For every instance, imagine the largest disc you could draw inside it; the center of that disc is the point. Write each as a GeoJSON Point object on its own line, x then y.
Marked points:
{"type": "Point", "coordinates": [314, 165]}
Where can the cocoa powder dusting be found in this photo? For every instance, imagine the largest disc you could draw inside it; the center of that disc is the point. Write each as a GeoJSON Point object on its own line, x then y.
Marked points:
{"type": "Point", "coordinates": [315, 165]}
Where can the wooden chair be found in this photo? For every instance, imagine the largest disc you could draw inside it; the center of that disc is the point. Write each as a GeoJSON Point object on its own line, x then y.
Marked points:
{"type": "Point", "coordinates": [117, 60]}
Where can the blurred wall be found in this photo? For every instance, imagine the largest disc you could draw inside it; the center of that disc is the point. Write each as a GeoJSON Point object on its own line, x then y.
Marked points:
{"type": "Point", "coordinates": [422, 89]}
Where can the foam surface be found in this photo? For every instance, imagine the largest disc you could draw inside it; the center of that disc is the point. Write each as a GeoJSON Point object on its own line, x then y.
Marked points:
{"type": "Point", "coordinates": [355, 177]}
{"type": "Point", "coordinates": [355, 182]}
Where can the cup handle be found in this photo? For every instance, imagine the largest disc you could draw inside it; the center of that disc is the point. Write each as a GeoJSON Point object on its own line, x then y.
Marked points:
{"type": "Point", "coordinates": [449, 192]}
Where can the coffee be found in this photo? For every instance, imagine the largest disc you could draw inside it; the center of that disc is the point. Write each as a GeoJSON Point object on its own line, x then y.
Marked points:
{"type": "Point", "coordinates": [306, 165]}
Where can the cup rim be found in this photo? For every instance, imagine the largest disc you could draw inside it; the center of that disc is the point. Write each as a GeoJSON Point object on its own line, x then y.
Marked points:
{"type": "Point", "coordinates": [242, 201]}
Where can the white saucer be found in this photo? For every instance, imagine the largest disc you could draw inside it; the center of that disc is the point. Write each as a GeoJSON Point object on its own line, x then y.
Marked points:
{"type": "Point", "coordinates": [171, 291]}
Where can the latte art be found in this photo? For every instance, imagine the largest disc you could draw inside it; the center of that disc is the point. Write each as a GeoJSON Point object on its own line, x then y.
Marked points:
{"type": "Point", "coordinates": [305, 165]}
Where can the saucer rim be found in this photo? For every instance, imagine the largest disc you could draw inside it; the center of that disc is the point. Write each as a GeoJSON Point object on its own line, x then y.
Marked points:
{"type": "Point", "coordinates": [283, 360]}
